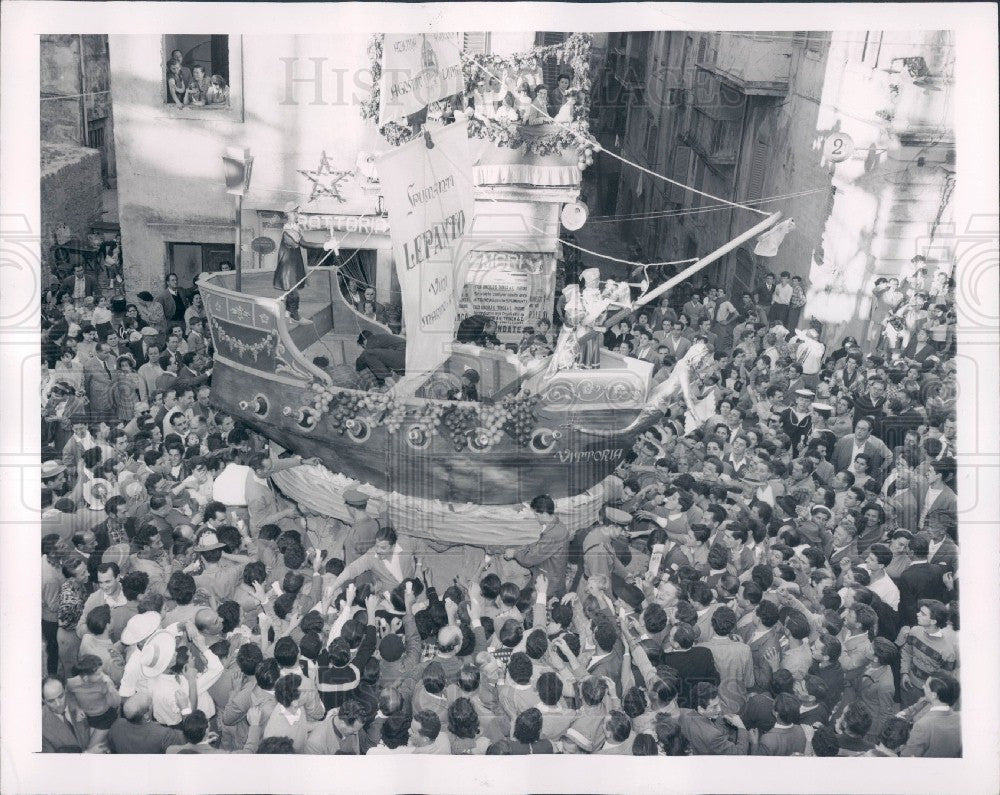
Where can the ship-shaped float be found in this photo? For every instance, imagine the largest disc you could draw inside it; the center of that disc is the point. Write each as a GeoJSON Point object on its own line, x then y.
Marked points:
{"type": "Point", "coordinates": [450, 471]}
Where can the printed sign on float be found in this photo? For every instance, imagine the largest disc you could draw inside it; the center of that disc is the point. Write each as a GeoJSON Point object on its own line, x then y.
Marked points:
{"type": "Point", "coordinates": [418, 69]}
{"type": "Point", "coordinates": [515, 288]}
{"type": "Point", "coordinates": [428, 194]}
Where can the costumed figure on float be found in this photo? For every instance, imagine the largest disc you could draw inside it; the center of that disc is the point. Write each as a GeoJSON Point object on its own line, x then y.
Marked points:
{"type": "Point", "coordinates": [680, 385]}
{"type": "Point", "coordinates": [567, 351]}
{"type": "Point", "coordinates": [291, 268]}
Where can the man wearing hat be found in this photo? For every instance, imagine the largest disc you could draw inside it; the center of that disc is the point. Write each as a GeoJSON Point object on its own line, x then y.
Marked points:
{"type": "Point", "coordinates": [54, 477]}
{"type": "Point", "coordinates": [549, 554]}
{"type": "Point", "coordinates": [140, 628]}
{"type": "Point", "coordinates": [217, 578]}
{"type": "Point", "coordinates": [796, 420]}
{"type": "Point", "coordinates": [810, 354]}
{"type": "Point", "coordinates": [361, 530]}
{"type": "Point", "coordinates": [168, 662]}
{"type": "Point", "coordinates": [599, 556]}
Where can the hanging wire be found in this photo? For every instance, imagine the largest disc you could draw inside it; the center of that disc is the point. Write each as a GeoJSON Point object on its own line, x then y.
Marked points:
{"type": "Point", "coordinates": [606, 219]}
{"type": "Point", "coordinates": [624, 261]}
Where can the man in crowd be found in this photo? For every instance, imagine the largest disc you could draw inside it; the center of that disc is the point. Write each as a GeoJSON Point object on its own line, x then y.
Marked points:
{"type": "Point", "coordinates": [754, 564]}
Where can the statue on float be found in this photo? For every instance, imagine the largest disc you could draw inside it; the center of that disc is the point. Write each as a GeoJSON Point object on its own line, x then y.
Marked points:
{"type": "Point", "coordinates": [680, 385]}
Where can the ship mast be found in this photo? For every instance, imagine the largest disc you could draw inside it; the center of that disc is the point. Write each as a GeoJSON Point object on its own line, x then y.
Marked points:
{"type": "Point", "coordinates": [692, 269]}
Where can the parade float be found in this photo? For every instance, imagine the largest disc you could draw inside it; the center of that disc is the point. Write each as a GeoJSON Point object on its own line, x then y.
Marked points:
{"type": "Point", "coordinates": [446, 470]}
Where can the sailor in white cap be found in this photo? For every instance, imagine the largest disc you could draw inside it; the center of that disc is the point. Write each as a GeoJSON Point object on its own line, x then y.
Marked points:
{"type": "Point", "coordinates": [796, 420]}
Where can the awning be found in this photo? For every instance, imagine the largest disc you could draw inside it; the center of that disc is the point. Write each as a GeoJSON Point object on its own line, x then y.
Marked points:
{"type": "Point", "coordinates": [501, 165]}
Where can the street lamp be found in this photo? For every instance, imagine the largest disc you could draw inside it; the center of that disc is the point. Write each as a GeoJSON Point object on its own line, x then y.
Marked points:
{"type": "Point", "coordinates": [238, 163]}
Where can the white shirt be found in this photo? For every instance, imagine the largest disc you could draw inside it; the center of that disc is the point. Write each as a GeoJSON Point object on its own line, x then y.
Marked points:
{"type": "Point", "coordinates": [163, 690]}
{"type": "Point", "coordinates": [929, 497]}
{"type": "Point", "coordinates": [886, 590]}
{"type": "Point", "coordinates": [932, 548]}
{"type": "Point", "coordinates": [230, 486]}
{"type": "Point", "coordinates": [859, 449]}
{"type": "Point", "coordinates": [393, 564]}
{"type": "Point", "coordinates": [782, 293]}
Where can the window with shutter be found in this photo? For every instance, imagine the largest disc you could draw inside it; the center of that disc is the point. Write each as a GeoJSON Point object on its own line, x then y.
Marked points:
{"type": "Point", "coordinates": [702, 48]}
{"type": "Point", "coordinates": [758, 166]}
{"type": "Point", "coordinates": [679, 173]}
{"type": "Point", "coordinates": [652, 144]}
{"type": "Point", "coordinates": [550, 68]}
{"type": "Point", "coordinates": [476, 43]}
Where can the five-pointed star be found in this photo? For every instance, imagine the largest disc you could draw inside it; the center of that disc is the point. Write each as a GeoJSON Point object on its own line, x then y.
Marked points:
{"type": "Point", "coordinates": [327, 186]}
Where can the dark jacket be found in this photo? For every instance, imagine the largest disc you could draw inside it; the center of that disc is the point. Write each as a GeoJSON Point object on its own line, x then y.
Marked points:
{"type": "Point", "coordinates": [919, 581]}
{"type": "Point", "coordinates": [694, 665]}
{"type": "Point", "coordinates": [548, 556]}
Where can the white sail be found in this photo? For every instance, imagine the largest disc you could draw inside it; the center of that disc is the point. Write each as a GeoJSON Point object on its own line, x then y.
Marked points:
{"type": "Point", "coordinates": [428, 195]}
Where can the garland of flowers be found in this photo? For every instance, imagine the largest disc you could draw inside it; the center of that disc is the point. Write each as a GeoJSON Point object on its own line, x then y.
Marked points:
{"type": "Point", "coordinates": [241, 347]}
{"type": "Point", "coordinates": [575, 135]}
{"type": "Point", "coordinates": [574, 53]}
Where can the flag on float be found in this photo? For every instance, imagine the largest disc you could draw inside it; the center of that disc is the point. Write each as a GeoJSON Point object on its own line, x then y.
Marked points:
{"type": "Point", "coordinates": [428, 194]}
{"type": "Point", "coordinates": [418, 69]}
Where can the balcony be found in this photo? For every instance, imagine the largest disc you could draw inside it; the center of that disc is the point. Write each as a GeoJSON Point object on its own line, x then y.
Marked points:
{"type": "Point", "coordinates": [630, 71]}
{"type": "Point", "coordinates": [755, 63]}
{"type": "Point", "coordinates": [716, 141]}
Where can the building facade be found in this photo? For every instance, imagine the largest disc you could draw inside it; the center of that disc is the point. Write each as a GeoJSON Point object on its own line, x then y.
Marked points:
{"type": "Point", "coordinates": [77, 154]}
{"type": "Point", "coordinates": [849, 133]}
{"type": "Point", "coordinates": [294, 104]}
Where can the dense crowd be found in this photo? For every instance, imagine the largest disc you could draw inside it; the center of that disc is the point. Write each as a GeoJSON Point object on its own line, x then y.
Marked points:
{"type": "Point", "coordinates": [781, 579]}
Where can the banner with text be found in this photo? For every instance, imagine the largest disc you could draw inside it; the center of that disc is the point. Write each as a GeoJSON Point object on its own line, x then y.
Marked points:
{"type": "Point", "coordinates": [417, 69]}
{"type": "Point", "coordinates": [515, 288]}
{"type": "Point", "coordinates": [428, 194]}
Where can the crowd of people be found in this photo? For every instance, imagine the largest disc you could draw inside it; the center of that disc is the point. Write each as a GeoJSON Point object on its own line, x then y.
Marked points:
{"type": "Point", "coordinates": [780, 579]}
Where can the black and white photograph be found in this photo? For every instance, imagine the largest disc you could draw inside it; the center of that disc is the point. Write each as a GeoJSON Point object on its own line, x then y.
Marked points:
{"type": "Point", "coordinates": [500, 379]}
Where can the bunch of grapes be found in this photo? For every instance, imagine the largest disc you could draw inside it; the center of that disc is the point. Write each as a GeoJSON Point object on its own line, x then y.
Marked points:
{"type": "Point", "coordinates": [520, 417]}
{"type": "Point", "coordinates": [341, 406]}
{"type": "Point", "coordinates": [491, 419]}
{"type": "Point", "coordinates": [429, 418]}
{"type": "Point", "coordinates": [395, 414]}
{"type": "Point", "coordinates": [459, 420]}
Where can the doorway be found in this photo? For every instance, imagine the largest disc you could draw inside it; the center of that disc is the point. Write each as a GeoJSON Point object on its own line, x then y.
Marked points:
{"type": "Point", "coordinates": [188, 260]}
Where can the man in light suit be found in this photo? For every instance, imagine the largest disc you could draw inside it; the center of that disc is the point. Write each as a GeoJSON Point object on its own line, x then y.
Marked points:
{"type": "Point", "coordinates": [938, 732]}
{"type": "Point", "coordinates": [97, 377]}
{"type": "Point", "coordinates": [861, 441]}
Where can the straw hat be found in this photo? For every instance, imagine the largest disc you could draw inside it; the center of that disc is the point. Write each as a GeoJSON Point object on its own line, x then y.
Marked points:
{"type": "Point", "coordinates": [157, 654]}
{"type": "Point", "coordinates": [140, 627]}
{"type": "Point", "coordinates": [96, 493]}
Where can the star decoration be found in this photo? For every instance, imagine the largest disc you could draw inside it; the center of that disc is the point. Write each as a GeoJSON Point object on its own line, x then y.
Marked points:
{"type": "Point", "coordinates": [325, 180]}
